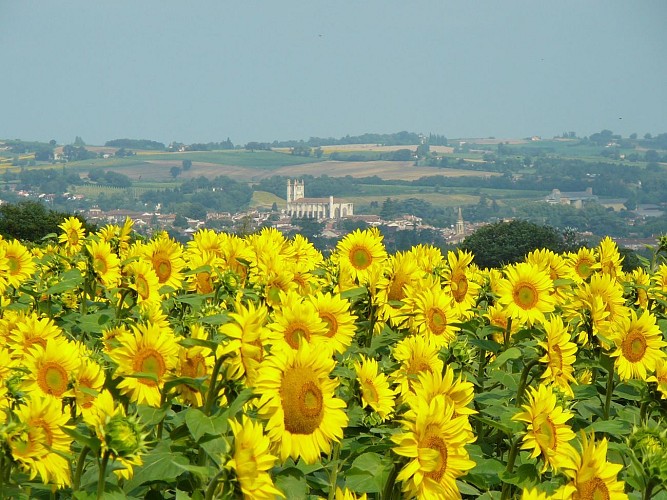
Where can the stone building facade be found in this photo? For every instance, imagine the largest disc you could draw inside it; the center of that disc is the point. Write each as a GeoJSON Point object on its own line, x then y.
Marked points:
{"type": "Point", "coordinates": [314, 208]}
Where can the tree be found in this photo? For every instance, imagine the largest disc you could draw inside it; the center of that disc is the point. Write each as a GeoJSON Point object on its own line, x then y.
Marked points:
{"type": "Point", "coordinates": [78, 142]}
{"type": "Point", "coordinates": [175, 171]}
{"type": "Point", "coordinates": [31, 221]}
{"type": "Point", "coordinates": [187, 165]}
{"type": "Point", "coordinates": [509, 242]}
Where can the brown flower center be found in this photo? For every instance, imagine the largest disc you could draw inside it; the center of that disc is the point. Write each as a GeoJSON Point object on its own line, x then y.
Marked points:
{"type": "Point", "coordinates": [634, 346]}
{"type": "Point", "coordinates": [302, 401]}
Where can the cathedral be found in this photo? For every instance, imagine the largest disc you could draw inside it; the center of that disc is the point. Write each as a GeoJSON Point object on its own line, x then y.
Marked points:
{"type": "Point", "coordinates": [314, 208]}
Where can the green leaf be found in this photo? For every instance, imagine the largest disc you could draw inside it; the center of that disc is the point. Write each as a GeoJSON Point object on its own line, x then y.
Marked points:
{"type": "Point", "coordinates": [504, 378]}
{"type": "Point", "coordinates": [387, 337]}
{"type": "Point", "coordinates": [486, 473]}
{"type": "Point", "coordinates": [190, 342]}
{"type": "Point", "coordinates": [199, 424]}
{"type": "Point", "coordinates": [215, 319]}
{"type": "Point", "coordinates": [369, 473]}
{"type": "Point", "coordinates": [202, 472]}
{"type": "Point", "coordinates": [292, 483]}
{"type": "Point", "coordinates": [237, 405]}
{"type": "Point", "coordinates": [486, 344]}
{"type": "Point", "coordinates": [612, 427]}
{"type": "Point", "coordinates": [467, 489]}
{"type": "Point", "coordinates": [160, 464]}
{"type": "Point", "coordinates": [194, 383]}
{"type": "Point", "coordinates": [150, 416]}
{"type": "Point", "coordinates": [504, 357]}
{"type": "Point", "coordinates": [354, 292]}
{"type": "Point", "coordinates": [216, 449]}
{"type": "Point", "coordinates": [90, 441]}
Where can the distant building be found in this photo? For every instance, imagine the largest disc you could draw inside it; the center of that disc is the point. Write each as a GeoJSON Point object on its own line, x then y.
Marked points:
{"type": "Point", "coordinates": [314, 208]}
{"type": "Point", "coordinates": [576, 198]}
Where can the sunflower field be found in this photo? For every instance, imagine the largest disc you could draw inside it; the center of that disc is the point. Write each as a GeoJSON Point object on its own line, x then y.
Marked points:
{"type": "Point", "coordinates": [254, 367]}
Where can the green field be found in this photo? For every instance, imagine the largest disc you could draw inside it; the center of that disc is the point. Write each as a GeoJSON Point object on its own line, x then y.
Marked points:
{"type": "Point", "coordinates": [257, 159]}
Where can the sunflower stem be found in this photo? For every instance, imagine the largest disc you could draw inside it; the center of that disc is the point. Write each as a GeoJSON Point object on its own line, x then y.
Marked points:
{"type": "Point", "coordinates": [213, 484]}
{"type": "Point", "coordinates": [610, 390]}
{"type": "Point", "coordinates": [506, 337]}
{"type": "Point", "coordinates": [333, 479]}
{"type": "Point", "coordinates": [102, 475]}
{"type": "Point", "coordinates": [507, 487]}
{"type": "Point", "coordinates": [388, 492]}
{"type": "Point", "coordinates": [211, 395]}
{"type": "Point", "coordinates": [79, 468]}
{"type": "Point", "coordinates": [523, 381]}
{"type": "Point", "coordinates": [648, 492]}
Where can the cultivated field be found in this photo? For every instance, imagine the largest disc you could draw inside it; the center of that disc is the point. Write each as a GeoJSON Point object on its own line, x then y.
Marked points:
{"type": "Point", "coordinates": [388, 170]}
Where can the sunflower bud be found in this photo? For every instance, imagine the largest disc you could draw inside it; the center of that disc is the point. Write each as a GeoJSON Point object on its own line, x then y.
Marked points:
{"type": "Point", "coordinates": [124, 436]}
{"type": "Point", "coordinates": [650, 447]}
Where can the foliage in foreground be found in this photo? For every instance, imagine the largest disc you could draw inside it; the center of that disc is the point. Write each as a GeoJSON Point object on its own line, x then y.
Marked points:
{"type": "Point", "coordinates": [255, 367]}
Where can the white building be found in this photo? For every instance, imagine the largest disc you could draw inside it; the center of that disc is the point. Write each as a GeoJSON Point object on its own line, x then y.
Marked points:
{"type": "Point", "coordinates": [314, 208]}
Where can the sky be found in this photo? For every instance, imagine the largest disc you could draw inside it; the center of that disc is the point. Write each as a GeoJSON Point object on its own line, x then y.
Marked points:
{"type": "Point", "coordinates": [265, 70]}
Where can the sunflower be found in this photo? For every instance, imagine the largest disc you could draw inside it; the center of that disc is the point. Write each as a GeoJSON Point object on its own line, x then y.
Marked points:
{"type": "Point", "coordinates": [105, 263]}
{"type": "Point", "coordinates": [592, 476]}
{"type": "Point", "coordinates": [660, 377]}
{"type": "Point", "coordinates": [433, 315]}
{"type": "Point", "coordinates": [248, 336]}
{"type": "Point", "coordinates": [428, 257]}
{"type": "Point", "coordinates": [641, 282]}
{"type": "Point", "coordinates": [463, 290]}
{"type": "Point", "coordinates": [296, 321]}
{"type": "Point", "coordinates": [659, 280]}
{"type": "Point", "coordinates": [582, 264]}
{"type": "Point", "coordinates": [554, 265]}
{"type": "Point", "coordinates": [415, 354]}
{"type": "Point", "coordinates": [195, 361]}
{"type": "Point", "coordinates": [144, 282]}
{"type": "Point", "coordinates": [638, 343]}
{"type": "Point", "coordinates": [297, 399]}
{"type": "Point", "coordinates": [236, 255]}
{"type": "Point", "coordinates": [335, 312]}
{"type": "Point", "coordinates": [88, 380]}
{"type": "Point", "coordinates": [401, 272]}
{"type": "Point", "coordinates": [203, 269]}
{"type": "Point", "coordinates": [547, 434]}
{"type": "Point", "coordinates": [360, 252]}
{"type": "Point", "coordinates": [20, 262]}
{"type": "Point", "coordinates": [526, 293]}
{"type": "Point", "coordinates": [609, 257]}
{"type": "Point", "coordinates": [305, 253]}
{"type": "Point", "coordinates": [4, 268]}
{"type": "Point", "coordinates": [560, 355]}
{"type": "Point", "coordinates": [206, 241]}
{"type": "Point", "coordinates": [166, 257]}
{"type": "Point", "coordinates": [602, 299]}
{"type": "Point", "coordinates": [348, 495]}
{"type": "Point", "coordinates": [27, 331]}
{"type": "Point", "coordinates": [434, 442]}
{"type": "Point", "coordinates": [38, 442]}
{"type": "Point", "coordinates": [498, 317]}
{"type": "Point", "coordinates": [148, 349]}
{"type": "Point", "coordinates": [458, 392]}
{"type": "Point", "coordinates": [534, 494]}
{"type": "Point", "coordinates": [73, 234]}
{"type": "Point", "coordinates": [50, 368]}
{"type": "Point", "coordinates": [252, 460]}
{"type": "Point", "coordinates": [121, 436]}
{"type": "Point", "coordinates": [375, 391]}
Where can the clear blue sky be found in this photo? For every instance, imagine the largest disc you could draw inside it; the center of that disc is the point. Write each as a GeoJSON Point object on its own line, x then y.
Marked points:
{"type": "Point", "coordinates": [264, 70]}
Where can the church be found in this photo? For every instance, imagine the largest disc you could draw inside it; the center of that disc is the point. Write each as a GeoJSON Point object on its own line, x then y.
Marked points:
{"type": "Point", "coordinates": [314, 208]}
